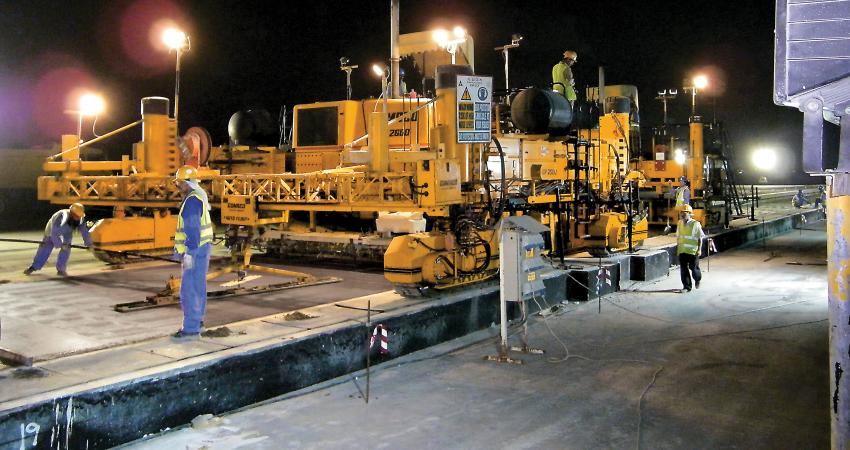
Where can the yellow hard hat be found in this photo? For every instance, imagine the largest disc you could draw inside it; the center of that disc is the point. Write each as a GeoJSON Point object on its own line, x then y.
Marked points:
{"type": "Point", "coordinates": [78, 210]}
{"type": "Point", "coordinates": [687, 208]}
{"type": "Point", "coordinates": [569, 54]}
{"type": "Point", "coordinates": [186, 173]}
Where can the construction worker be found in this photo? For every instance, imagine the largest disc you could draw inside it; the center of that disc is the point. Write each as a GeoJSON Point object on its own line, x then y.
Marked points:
{"type": "Point", "coordinates": [683, 192]}
{"type": "Point", "coordinates": [799, 200]}
{"type": "Point", "coordinates": [192, 243]}
{"type": "Point", "coordinates": [820, 200]}
{"type": "Point", "coordinates": [689, 237]}
{"type": "Point", "coordinates": [59, 232]}
{"type": "Point", "coordinates": [562, 76]}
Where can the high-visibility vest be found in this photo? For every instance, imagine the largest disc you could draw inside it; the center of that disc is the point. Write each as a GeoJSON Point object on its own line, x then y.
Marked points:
{"type": "Point", "coordinates": [560, 75]}
{"type": "Point", "coordinates": [206, 224]}
{"type": "Point", "coordinates": [688, 237]}
{"type": "Point", "coordinates": [680, 196]}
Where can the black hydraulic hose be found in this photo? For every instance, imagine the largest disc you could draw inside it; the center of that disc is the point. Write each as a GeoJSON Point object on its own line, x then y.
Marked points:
{"type": "Point", "coordinates": [559, 230]}
{"type": "Point", "coordinates": [115, 252]}
{"type": "Point", "coordinates": [504, 192]}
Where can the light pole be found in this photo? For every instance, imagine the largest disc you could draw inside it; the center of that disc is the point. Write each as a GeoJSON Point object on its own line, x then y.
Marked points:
{"type": "Point", "coordinates": [179, 42]}
{"type": "Point", "coordinates": [664, 96]}
{"type": "Point", "coordinates": [505, 52]}
{"type": "Point", "coordinates": [89, 105]}
{"type": "Point", "coordinates": [343, 66]}
{"type": "Point", "coordinates": [382, 71]}
{"type": "Point", "coordinates": [451, 41]}
{"type": "Point", "coordinates": [698, 83]}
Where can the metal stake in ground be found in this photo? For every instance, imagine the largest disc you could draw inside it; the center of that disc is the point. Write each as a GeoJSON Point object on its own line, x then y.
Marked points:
{"type": "Point", "coordinates": [368, 346]}
{"type": "Point", "coordinates": [599, 288]}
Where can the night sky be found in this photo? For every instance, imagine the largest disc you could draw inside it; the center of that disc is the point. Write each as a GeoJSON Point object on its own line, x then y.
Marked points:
{"type": "Point", "coordinates": [252, 54]}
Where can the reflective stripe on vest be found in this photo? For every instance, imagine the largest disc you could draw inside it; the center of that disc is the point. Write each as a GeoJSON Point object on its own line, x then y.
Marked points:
{"type": "Point", "coordinates": [206, 225]}
{"type": "Point", "coordinates": [680, 197]}
{"type": "Point", "coordinates": [688, 237]}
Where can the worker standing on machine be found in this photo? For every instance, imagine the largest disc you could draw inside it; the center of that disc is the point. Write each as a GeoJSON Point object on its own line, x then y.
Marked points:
{"type": "Point", "coordinates": [562, 76]}
{"type": "Point", "coordinates": [689, 237]}
{"type": "Point", "coordinates": [192, 243]}
{"type": "Point", "coordinates": [683, 192]}
{"type": "Point", "coordinates": [59, 232]}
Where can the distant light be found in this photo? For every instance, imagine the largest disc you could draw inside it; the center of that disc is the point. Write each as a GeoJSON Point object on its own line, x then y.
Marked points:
{"type": "Point", "coordinates": [91, 105]}
{"type": "Point", "coordinates": [679, 157]}
{"type": "Point", "coordinates": [459, 32]}
{"type": "Point", "coordinates": [379, 69]}
{"type": "Point", "coordinates": [441, 37]}
{"type": "Point", "coordinates": [764, 158]}
{"type": "Point", "coordinates": [700, 81]}
{"type": "Point", "coordinates": [174, 39]}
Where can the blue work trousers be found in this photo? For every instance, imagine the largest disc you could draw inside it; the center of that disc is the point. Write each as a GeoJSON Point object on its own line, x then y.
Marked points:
{"type": "Point", "coordinates": [193, 289]}
{"type": "Point", "coordinates": [44, 251]}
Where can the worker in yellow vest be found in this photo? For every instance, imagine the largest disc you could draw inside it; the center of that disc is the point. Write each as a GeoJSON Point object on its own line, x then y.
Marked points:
{"type": "Point", "coordinates": [192, 242]}
{"type": "Point", "coordinates": [683, 192]}
{"type": "Point", "coordinates": [562, 76]}
{"type": "Point", "coordinates": [689, 236]}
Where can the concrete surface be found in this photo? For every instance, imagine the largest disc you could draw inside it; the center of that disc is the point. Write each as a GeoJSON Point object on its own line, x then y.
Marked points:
{"type": "Point", "coordinates": [739, 363]}
{"type": "Point", "coordinates": [44, 316]}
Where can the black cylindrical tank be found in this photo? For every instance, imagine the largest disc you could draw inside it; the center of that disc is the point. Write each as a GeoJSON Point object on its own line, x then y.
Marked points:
{"type": "Point", "coordinates": [585, 115]}
{"type": "Point", "coordinates": [541, 111]}
{"type": "Point", "coordinates": [617, 105]}
{"type": "Point", "coordinates": [253, 127]}
{"type": "Point", "coordinates": [155, 105]}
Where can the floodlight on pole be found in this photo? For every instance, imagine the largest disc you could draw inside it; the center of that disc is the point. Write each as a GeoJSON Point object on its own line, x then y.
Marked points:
{"type": "Point", "coordinates": [345, 66]}
{"type": "Point", "coordinates": [91, 105]}
{"type": "Point", "coordinates": [178, 41]}
{"type": "Point", "coordinates": [383, 71]}
{"type": "Point", "coordinates": [698, 83]}
{"type": "Point", "coordinates": [450, 41]}
{"type": "Point", "coordinates": [87, 105]}
{"type": "Point", "coordinates": [504, 49]}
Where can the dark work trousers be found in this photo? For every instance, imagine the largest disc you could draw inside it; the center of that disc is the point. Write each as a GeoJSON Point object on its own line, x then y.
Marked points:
{"type": "Point", "coordinates": [689, 266]}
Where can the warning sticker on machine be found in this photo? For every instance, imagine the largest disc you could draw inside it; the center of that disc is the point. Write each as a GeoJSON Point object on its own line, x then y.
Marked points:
{"type": "Point", "coordinates": [474, 98]}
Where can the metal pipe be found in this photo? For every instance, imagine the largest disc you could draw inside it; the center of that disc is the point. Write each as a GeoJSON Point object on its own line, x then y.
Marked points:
{"type": "Point", "coordinates": [97, 139]}
{"type": "Point", "coordinates": [838, 274]}
{"type": "Point", "coordinates": [177, 85]}
{"type": "Point", "coordinates": [394, 55]}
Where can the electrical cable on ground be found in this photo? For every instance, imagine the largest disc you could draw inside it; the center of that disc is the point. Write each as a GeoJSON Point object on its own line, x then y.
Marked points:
{"type": "Point", "coordinates": [640, 404]}
{"type": "Point", "coordinates": [568, 356]}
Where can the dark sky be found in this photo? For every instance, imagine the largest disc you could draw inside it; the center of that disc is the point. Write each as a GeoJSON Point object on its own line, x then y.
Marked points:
{"type": "Point", "coordinates": [248, 54]}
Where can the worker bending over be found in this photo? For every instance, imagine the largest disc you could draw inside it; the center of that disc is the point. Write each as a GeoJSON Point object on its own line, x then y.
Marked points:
{"type": "Point", "coordinates": [562, 76]}
{"type": "Point", "coordinates": [689, 237]}
{"type": "Point", "coordinates": [59, 232]}
{"type": "Point", "coordinates": [799, 200]}
{"type": "Point", "coordinates": [192, 242]}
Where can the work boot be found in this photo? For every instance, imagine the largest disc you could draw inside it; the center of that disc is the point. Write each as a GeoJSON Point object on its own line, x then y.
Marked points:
{"type": "Point", "coordinates": [696, 284]}
{"type": "Point", "coordinates": [61, 273]}
{"type": "Point", "coordinates": [181, 335]}
{"type": "Point", "coordinates": [29, 270]}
